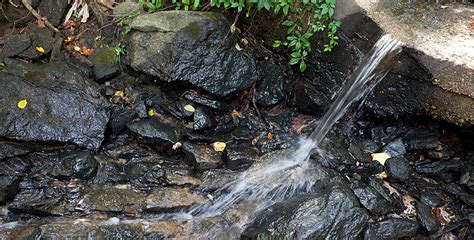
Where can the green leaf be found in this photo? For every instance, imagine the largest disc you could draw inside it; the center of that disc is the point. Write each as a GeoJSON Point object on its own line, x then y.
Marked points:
{"type": "Point", "coordinates": [293, 61]}
{"type": "Point", "coordinates": [266, 4]}
{"type": "Point", "coordinates": [296, 54]}
{"type": "Point", "coordinates": [302, 66]}
{"type": "Point", "coordinates": [285, 10]}
{"type": "Point", "coordinates": [288, 23]}
{"type": "Point", "coordinates": [260, 4]}
{"type": "Point", "coordinates": [196, 4]}
{"type": "Point", "coordinates": [331, 12]}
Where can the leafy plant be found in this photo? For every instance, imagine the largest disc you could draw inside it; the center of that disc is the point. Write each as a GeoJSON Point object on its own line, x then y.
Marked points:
{"type": "Point", "coordinates": [120, 50]}
{"type": "Point", "coordinates": [302, 18]}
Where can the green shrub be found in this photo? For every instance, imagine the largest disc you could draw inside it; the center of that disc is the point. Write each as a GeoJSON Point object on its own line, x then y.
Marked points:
{"type": "Point", "coordinates": [302, 18]}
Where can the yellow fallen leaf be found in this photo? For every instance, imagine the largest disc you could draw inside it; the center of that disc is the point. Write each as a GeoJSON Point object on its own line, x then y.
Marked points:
{"type": "Point", "coordinates": [270, 135]}
{"type": "Point", "coordinates": [40, 49]}
{"type": "Point", "coordinates": [77, 49]}
{"type": "Point", "coordinates": [68, 39]}
{"type": "Point", "coordinates": [383, 175]}
{"type": "Point", "coordinates": [380, 157]}
{"type": "Point", "coordinates": [151, 112]}
{"type": "Point", "coordinates": [219, 146]}
{"type": "Point", "coordinates": [22, 104]}
{"type": "Point", "coordinates": [189, 108]}
{"type": "Point", "coordinates": [235, 114]}
{"type": "Point", "coordinates": [119, 94]}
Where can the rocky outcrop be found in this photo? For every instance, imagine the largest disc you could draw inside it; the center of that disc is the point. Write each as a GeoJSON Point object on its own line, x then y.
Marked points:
{"type": "Point", "coordinates": [62, 105]}
{"type": "Point", "coordinates": [194, 48]}
{"type": "Point", "coordinates": [435, 74]}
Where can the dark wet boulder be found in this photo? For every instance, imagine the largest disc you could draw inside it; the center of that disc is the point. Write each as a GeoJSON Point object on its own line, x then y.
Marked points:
{"type": "Point", "coordinates": [202, 156]}
{"type": "Point", "coordinates": [421, 139]}
{"type": "Point", "coordinates": [64, 164]}
{"type": "Point", "coordinates": [239, 156]}
{"type": "Point", "coordinates": [310, 100]}
{"type": "Point", "coordinates": [398, 168]}
{"type": "Point", "coordinates": [10, 149]}
{"type": "Point", "coordinates": [372, 200]}
{"type": "Point", "coordinates": [271, 90]}
{"type": "Point", "coordinates": [120, 117]}
{"type": "Point", "coordinates": [392, 228]}
{"type": "Point", "coordinates": [152, 129]}
{"type": "Point", "coordinates": [53, 10]}
{"type": "Point", "coordinates": [331, 214]}
{"type": "Point", "coordinates": [41, 201]}
{"type": "Point", "coordinates": [203, 119]}
{"type": "Point", "coordinates": [425, 216]}
{"type": "Point", "coordinates": [449, 170]}
{"type": "Point", "coordinates": [106, 64]}
{"type": "Point", "coordinates": [395, 148]}
{"type": "Point", "coordinates": [467, 178]}
{"type": "Point", "coordinates": [97, 230]}
{"type": "Point", "coordinates": [194, 48]}
{"type": "Point", "coordinates": [25, 45]}
{"type": "Point", "coordinates": [62, 105]}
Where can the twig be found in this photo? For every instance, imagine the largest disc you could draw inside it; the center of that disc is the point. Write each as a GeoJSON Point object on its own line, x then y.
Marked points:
{"type": "Point", "coordinates": [39, 17]}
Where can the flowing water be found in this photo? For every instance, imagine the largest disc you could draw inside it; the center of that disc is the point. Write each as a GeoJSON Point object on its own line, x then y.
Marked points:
{"type": "Point", "coordinates": [288, 173]}
{"type": "Point", "coordinates": [285, 173]}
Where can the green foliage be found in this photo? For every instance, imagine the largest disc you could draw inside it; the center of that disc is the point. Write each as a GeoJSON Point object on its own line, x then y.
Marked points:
{"type": "Point", "coordinates": [120, 50]}
{"type": "Point", "coordinates": [302, 18]}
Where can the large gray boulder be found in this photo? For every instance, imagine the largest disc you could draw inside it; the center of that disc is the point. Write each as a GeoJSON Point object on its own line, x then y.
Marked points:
{"type": "Point", "coordinates": [195, 48]}
{"type": "Point", "coordinates": [62, 105]}
{"type": "Point", "coordinates": [333, 213]}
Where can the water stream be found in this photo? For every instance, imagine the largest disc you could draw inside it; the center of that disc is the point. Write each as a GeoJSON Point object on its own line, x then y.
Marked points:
{"type": "Point", "coordinates": [290, 173]}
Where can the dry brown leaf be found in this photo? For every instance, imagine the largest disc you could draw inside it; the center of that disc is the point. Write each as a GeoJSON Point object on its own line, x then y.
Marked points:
{"type": "Point", "coordinates": [380, 157]}
{"type": "Point", "coordinates": [87, 51]}
{"type": "Point", "coordinates": [41, 23]}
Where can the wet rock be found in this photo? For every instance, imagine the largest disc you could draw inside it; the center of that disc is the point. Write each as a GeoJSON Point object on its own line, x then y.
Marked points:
{"type": "Point", "coordinates": [372, 200]}
{"type": "Point", "coordinates": [172, 198]}
{"type": "Point", "coordinates": [215, 104]}
{"type": "Point", "coordinates": [420, 139]}
{"type": "Point", "coordinates": [395, 148]}
{"type": "Point", "coordinates": [8, 187]}
{"type": "Point", "coordinates": [12, 149]}
{"type": "Point", "coordinates": [106, 64]}
{"type": "Point", "coordinates": [120, 117]}
{"type": "Point", "coordinates": [41, 201]}
{"type": "Point", "coordinates": [116, 199]}
{"type": "Point", "coordinates": [24, 45]}
{"type": "Point", "coordinates": [62, 106]}
{"type": "Point", "coordinates": [272, 88]}
{"type": "Point", "coordinates": [468, 199]}
{"type": "Point", "coordinates": [310, 100]}
{"type": "Point", "coordinates": [332, 214]}
{"type": "Point", "coordinates": [445, 170]}
{"type": "Point", "coordinates": [64, 164]}
{"type": "Point", "coordinates": [152, 129]}
{"type": "Point", "coordinates": [357, 151]}
{"type": "Point", "coordinates": [216, 178]}
{"type": "Point", "coordinates": [239, 156]}
{"type": "Point", "coordinates": [110, 172]}
{"type": "Point", "coordinates": [203, 119]}
{"type": "Point", "coordinates": [53, 10]}
{"type": "Point", "coordinates": [23, 232]}
{"type": "Point", "coordinates": [192, 48]}
{"type": "Point", "coordinates": [94, 230]}
{"type": "Point", "coordinates": [392, 228]}
{"type": "Point", "coordinates": [467, 177]}
{"type": "Point", "coordinates": [398, 168]}
{"type": "Point", "coordinates": [202, 156]}
{"type": "Point", "coordinates": [426, 218]}
{"type": "Point", "coordinates": [181, 177]}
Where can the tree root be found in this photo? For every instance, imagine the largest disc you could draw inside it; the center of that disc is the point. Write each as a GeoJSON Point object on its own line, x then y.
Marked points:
{"type": "Point", "coordinates": [38, 16]}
